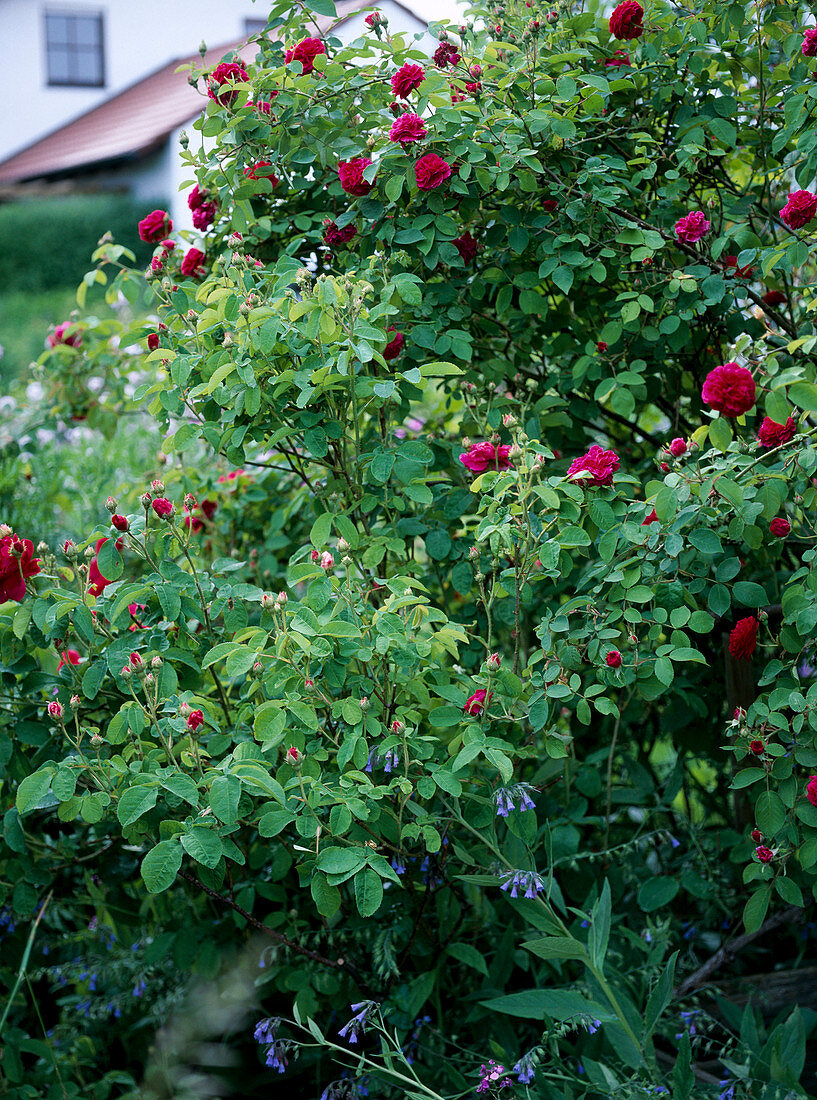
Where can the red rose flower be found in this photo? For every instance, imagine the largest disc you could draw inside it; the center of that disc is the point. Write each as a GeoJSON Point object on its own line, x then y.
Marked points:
{"type": "Point", "coordinates": [756, 747]}
{"type": "Point", "coordinates": [197, 197]}
{"type": "Point", "coordinates": [334, 236]}
{"type": "Point", "coordinates": [306, 51]}
{"type": "Point", "coordinates": [17, 564]}
{"type": "Point", "coordinates": [678, 447]}
{"type": "Point", "coordinates": [446, 54]}
{"type": "Point", "coordinates": [204, 215]}
{"type": "Point", "coordinates": [431, 172]}
{"type": "Point", "coordinates": [98, 582]}
{"type": "Point", "coordinates": [774, 298]}
{"type": "Point", "coordinates": [809, 45]}
{"type": "Point", "coordinates": [799, 210]}
{"type": "Point", "coordinates": [811, 790]}
{"type": "Point", "coordinates": [194, 522]}
{"type": "Point", "coordinates": [486, 456]}
{"type": "Point", "coordinates": [350, 173]}
{"type": "Point", "coordinates": [221, 80]}
{"type": "Point", "coordinates": [613, 659]}
{"type": "Point", "coordinates": [162, 507]}
{"type": "Point", "coordinates": [406, 79]}
{"type": "Point", "coordinates": [62, 334]}
{"type": "Point", "coordinates": [743, 639]}
{"type": "Point", "coordinates": [395, 345]}
{"type": "Point", "coordinates": [372, 19]}
{"type": "Point", "coordinates": [692, 227]}
{"type": "Point", "coordinates": [408, 128]}
{"type": "Point", "coordinates": [550, 205]}
{"type": "Point", "coordinates": [601, 346]}
{"type": "Point", "coordinates": [756, 835]}
{"type": "Point", "coordinates": [616, 60]}
{"type": "Point", "coordinates": [195, 719]}
{"type": "Point", "coordinates": [764, 855]}
{"type": "Point", "coordinates": [772, 434]}
{"type": "Point", "coordinates": [193, 263]}
{"type": "Point", "coordinates": [650, 518]}
{"type": "Point", "coordinates": [730, 263]}
{"type": "Point", "coordinates": [69, 657]}
{"type": "Point", "coordinates": [476, 703]}
{"type": "Point", "coordinates": [627, 20]}
{"type": "Point", "coordinates": [466, 246]}
{"type": "Point", "coordinates": [595, 468]}
{"type": "Point", "coordinates": [153, 341]}
{"type": "Point", "coordinates": [730, 389]}
{"type": "Point", "coordinates": [256, 171]}
{"type": "Point", "coordinates": [155, 226]}
{"type": "Point", "coordinates": [119, 522]}
{"type": "Point", "coordinates": [779, 527]}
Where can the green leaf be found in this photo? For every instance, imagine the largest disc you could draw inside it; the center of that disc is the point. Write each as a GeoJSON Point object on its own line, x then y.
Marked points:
{"type": "Point", "coordinates": [533, 1004]}
{"type": "Point", "coordinates": [109, 560]}
{"type": "Point", "coordinates": [468, 955]}
{"type": "Point", "coordinates": [34, 789]}
{"type": "Point", "coordinates": [682, 1076]}
{"type": "Point", "coordinates": [657, 892]}
{"type": "Point", "coordinates": [720, 434]}
{"type": "Point", "coordinates": [368, 892]}
{"type": "Point", "coordinates": [160, 865]}
{"type": "Point", "coordinates": [320, 531]}
{"type": "Point", "coordinates": [92, 679]}
{"type": "Point", "coordinates": [754, 912]}
{"type": "Point", "coordinates": [750, 594]}
{"type": "Point", "coordinates": [340, 861]}
{"type": "Point", "coordinates": [770, 813]}
{"type": "Point", "coordinates": [660, 997]}
{"type": "Point", "coordinates": [747, 777]}
{"type": "Point", "coordinates": [134, 802]}
{"type": "Point", "coordinates": [224, 795]}
{"type": "Point", "coordinates": [804, 396]}
{"type": "Point", "coordinates": [203, 844]}
{"type": "Point", "coordinates": [556, 947]}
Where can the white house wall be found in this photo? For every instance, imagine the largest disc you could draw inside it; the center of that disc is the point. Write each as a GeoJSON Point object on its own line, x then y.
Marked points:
{"type": "Point", "coordinates": [139, 36]}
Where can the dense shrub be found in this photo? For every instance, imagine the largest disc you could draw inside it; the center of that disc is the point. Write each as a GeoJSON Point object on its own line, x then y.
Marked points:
{"type": "Point", "coordinates": [45, 243]}
{"type": "Point", "coordinates": [472, 672]}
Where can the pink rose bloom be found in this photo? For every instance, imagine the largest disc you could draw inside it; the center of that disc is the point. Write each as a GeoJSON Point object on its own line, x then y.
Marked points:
{"type": "Point", "coordinates": [350, 173]}
{"type": "Point", "coordinates": [406, 79]}
{"type": "Point", "coordinates": [809, 46]}
{"type": "Point", "coordinates": [477, 702]}
{"type": "Point", "coordinates": [466, 246]}
{"type": "Point", "coordinates": [204, 215]}
{"type": "Point", "coordinates": [162, 507]}
{"type": "Point", "coordinates": [678, 447]}
{"type": "Point", "coordinates": [197, 197]}
{"type": "Point", "coordinates": [730, 389]}
{"type": "Point", "coordinates": [69, 657]}
{"type": "Point", "coordinates": [445, 55]}
{"type": "Point", "coordinates": [256, 172]}
{"type": "Point", "coordinates": [408, 128]}
{"type": "Point", "coordinates": [650, 518]}
{"type": "Point", "coordinates": [799, 210]}
{"type": "Point", "coordinates": [227, 73]}
{"type": "Point", "coordinates": [616, 60]}
{"type": "Point", "coordinates": [692, 227]}
{"type": "Point", "coordinates": [613, 659]}
{"type": "Point", "coordinates": [306, 51]}
{"type": "Point", "coordinates": [395, 345]}
{"type": "Point", "coordinates": [195, 719]}
{"type": "Point", "coordinates": [627, 20]}
{"type": "Point", "coordinates": [772, 434]}
{"type": "Point", "coordinates": [485, 456]}
{"type": "Point", "coordinates": [58, 336]}
{"type": "Point", "coordinates": [431, 172]}
{"type": "Point", "coordinates": [779, 527]}
{"type": "Point", "coordinates": [155, 226]}
{"type": "Point", "coordinates": [764, 854]}
{"type": "Point", "coordinates": [334, 236]}
{"type": "Point", "coordinates": [193, 263]}
{"type": "Point", "coordinates": [811, 790]}
{"type": "Point", "coordinates": [596, 468]}
{"type": "Point", "coordinates": [743, 638]}
{"type": "Point", "coordinates": [15, 570]}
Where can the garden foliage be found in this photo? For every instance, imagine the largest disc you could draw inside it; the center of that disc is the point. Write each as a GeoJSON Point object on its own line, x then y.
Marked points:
{"type": "Point", "coordinates": [458, 658]}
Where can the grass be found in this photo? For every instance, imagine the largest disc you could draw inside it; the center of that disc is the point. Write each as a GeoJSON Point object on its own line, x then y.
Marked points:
{"type": "Point", "coordinates": [24, 322]}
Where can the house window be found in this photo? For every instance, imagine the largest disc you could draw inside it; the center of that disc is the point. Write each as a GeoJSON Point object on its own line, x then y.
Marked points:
{"type": "Point", "coordinates": [254, 26]}
{"type": "Point", "coordinates": [73, 49]}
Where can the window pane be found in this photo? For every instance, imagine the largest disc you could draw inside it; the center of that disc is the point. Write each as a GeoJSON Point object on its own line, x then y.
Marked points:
{"type": "Point", "coordinates": [74, 49]}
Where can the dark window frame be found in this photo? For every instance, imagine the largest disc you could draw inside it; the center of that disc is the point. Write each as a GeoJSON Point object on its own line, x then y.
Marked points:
{"type": "Point", "coordinates": [71, 51]}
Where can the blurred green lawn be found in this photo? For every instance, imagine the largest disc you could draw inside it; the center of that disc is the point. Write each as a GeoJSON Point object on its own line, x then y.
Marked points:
{"type": "Point", "coordinates": [24, 322]}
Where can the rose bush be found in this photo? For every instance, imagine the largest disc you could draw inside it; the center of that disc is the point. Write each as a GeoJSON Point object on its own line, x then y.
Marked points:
{"type": "Point", "coordinates": [457, 740]}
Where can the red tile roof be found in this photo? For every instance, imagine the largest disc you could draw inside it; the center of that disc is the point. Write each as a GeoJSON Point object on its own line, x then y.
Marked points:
{"type": "Point", "coordinates": [136, 121]}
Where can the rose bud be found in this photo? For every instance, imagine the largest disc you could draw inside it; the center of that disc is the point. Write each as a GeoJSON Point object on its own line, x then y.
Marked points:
{"type": "Point", "coordinates": [756, 747]}
{"type": "Point", "coordinates": [120, 522]}
{"type": "Point", "coordinates": [110, 504]}
{"type": "Point", "coordinates": [327, 561]}
{"type": "Point", "coordinates": [397, 727]}
{"type": "Point", "coordinates": [268, 601]}
{"type": "Point", "coordinates": [493, 663]}
{"type": "Point", "coordinates": [294, 757]}
{"type": "Point", "coordinates": [162, 507]}
{"type": "Point", "coordinates": [55, 710]}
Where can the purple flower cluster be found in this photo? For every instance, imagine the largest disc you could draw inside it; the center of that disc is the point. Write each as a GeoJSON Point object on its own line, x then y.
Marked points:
{"type": "Point", "coordinates": [504, 798]}
{"type": "Point", "coordinates": [493, 1076]}
{"type": "Point", "coordinates": [347, 1088]}
{"type": "Point", "coordinates": [525, 1068]}
{"type": "Point", "coordinates": [357, 1025]}
{"type": "Point", "coordinates": [275, 1056]}
{"type": "Point", "coordinates": [389, 761]}
{"type": "Point", "coordinates": [530, 881]}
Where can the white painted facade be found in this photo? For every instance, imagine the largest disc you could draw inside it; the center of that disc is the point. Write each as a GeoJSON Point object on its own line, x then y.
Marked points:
{"type": "Point", "coordinates": [139, 36]}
